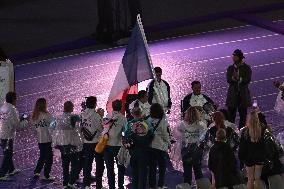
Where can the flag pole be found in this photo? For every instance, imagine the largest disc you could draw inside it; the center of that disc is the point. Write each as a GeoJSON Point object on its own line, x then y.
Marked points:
{"type": "Point", "coordinates": [151, 64]}
{"type": "Point", "coordinates": [139, 21]}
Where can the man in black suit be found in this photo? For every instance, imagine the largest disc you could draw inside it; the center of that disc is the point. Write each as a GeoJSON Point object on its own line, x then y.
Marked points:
{"type": "Point", "coordinates": [238, 97]}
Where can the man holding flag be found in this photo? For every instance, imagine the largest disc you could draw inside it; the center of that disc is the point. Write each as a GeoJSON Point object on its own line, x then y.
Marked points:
{"type": "Point", "coordinates": [159, 91]}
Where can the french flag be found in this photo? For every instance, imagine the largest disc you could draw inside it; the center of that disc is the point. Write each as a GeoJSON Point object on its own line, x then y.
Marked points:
{"type": "Point", "coordinates": [136, 67]}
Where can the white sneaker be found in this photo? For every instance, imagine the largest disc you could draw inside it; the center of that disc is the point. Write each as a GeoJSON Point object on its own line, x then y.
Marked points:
{"type": "Point", "coordinates": [36, 175]}
{"type": "Point", "coordinates": [16, 171]}
{"type": "Point", "coordinates": [73, 186]}
{"type": "Point", "coordinates": [50, 178]}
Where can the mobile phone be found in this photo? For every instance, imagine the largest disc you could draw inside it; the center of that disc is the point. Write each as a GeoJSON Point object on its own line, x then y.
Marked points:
{"type": "Point", "coordinates": [255, 105]}
{"type": "Point", "coordinates": [25, 116]}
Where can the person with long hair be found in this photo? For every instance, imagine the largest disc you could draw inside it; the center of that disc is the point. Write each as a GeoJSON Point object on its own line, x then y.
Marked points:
{"type": "Point", "coordinates": [41, 120]}
{"type": "Point", "coordinates": [191, 130]}
{"type": "Point", "coordinates": [159, 146]}
{"type": "Point", "coordinates": [232, 137]}
{"type": "Point", "coordinates": [252, 148]}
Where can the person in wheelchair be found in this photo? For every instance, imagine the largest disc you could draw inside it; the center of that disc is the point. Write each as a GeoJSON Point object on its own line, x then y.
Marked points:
{"type": "Point", "coordinates": [142, 103]}
{"type": "Point", "coordinates": [205, 104]}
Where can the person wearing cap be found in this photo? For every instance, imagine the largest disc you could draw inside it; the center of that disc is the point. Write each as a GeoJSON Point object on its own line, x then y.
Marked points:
{"type": "Point", "coordinates": [238, 96]}
{"type": "Point", "coordinates": [159, 91]}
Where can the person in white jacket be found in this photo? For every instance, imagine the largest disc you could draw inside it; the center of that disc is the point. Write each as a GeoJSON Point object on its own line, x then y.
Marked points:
{"type": "Point", "coordinates": [91, 123]}
{"type": "Point", "coordinates": [68, 139]}
{"type": "Point", "coordinates": [115, 127]}
{"type": "Point", "coordinates": [9, 122]}
{"type": "Point", "coordinates": [191, 130]}
{"type": "Point", "coordinates": [142, 103]}
{"type": "Point", "coordinates": [159, 146]}
{"type": "Point", "coordinates": [41, 120]}
{"type": "Point", "coordinates": [279, 104]}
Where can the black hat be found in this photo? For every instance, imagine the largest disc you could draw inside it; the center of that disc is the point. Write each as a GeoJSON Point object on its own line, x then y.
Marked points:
{"type": "Point", "coordinates": [239, 53]}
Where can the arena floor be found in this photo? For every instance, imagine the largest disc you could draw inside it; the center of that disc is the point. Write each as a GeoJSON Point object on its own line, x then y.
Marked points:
{"type": "Point", "coordinates": [203, 57]}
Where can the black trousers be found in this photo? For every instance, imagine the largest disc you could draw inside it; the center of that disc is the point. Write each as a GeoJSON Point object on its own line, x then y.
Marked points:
{"type": "Point", "coordinates": [7, 163]}
{"type": "Point", "coordinates": [67, 160]}
{"type": "Point", "coordinates": [189, 161]}
{"type": "Point", "coordinates": [45, 158]}
{"type": "Point", "coordinates": [80, 163]}
{"type": "Point", "coordinates": [139, 164]}
{"type": "Point", "coordinates": [158, 158]}
{"type": "Point", "coordinates": [89, 154]}
{"type": "Point", "coordinates": [242, 112]}
{"type": "Point", "coordinates": [110, 154]}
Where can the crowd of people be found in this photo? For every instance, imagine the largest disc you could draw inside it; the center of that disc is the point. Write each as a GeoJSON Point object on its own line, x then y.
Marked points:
{"type": "Point", "coordinates": [144, 140]}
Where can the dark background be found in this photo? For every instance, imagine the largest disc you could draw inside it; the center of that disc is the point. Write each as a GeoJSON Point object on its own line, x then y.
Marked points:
{"type": "Point", "coordinates": [27, 25]}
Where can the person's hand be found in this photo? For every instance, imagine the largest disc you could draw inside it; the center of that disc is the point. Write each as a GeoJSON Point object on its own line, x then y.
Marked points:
{"type": "Point", "coordinates": [258, 109]}
{"type": "Point", "coordinates": [127, 145]}
{"type": "Point", "coordinates": [101, 112]}
{"type": "Point", "coordinates": [235, 75]}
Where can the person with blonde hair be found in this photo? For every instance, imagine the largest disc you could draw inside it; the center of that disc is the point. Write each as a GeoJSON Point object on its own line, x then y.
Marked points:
{"type": "Point", "coordinates": [252, 148]}
{"type": "Point", "coordinates": [191, 130]}
{"type": "Point", "coordinates": [41, 120]}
